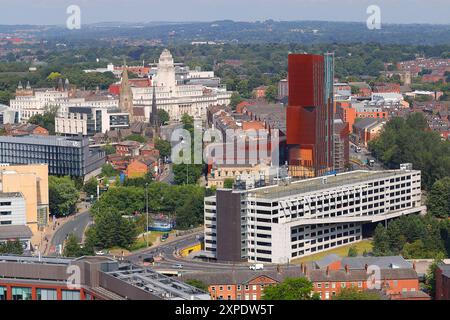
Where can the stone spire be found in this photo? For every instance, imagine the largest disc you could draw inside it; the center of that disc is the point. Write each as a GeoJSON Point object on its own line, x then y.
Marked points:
{"type": "Point", "coordinates": [126, 95]}
{"type": "Point", "coordinates": [67, 84]}
{"type": "Point", "coordinates": [28, 85]}
{"type": "Point", "coordinates": [19, 86]}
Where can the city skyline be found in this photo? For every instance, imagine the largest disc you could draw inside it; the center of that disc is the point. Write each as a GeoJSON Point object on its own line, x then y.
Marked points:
{"type": "Point", "coordinates": [52, 12]}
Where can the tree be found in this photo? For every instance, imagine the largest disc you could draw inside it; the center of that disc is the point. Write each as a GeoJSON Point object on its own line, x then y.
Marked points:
{"type": "Point", "coordinates": [187, 173]}
{"type": "Point", "coordinates": [163, 116]}
{"type": "Point", "coordinates": [63, 195]}
{"type": "Point", "coordinates": [415, 250]}
{"type": "Point", "coordinates": [109, 149]}
{"type": "Point", "coordinates": [198, 284]}
{"type": "Point", "coordinates": [110, 229]}
{"type": "Point", "coordinates": [72, 247]}
{"type": "Point", "coordinates": [190, 213]}
{"type": "Point", "coordinates": [380, 241]}
{"type": "Point", "coordinates": [136, 137]}
{"type": "Point", "coordinates": [45, 120]}
{"type": "Point", "coordinates": [291, 289]}
{"type": "Point", "coordinates": [108, 170]}
{"type": "Point", "coordinates": [271, 93]}
{"type": "Point", "coordinates": [228, 183]}
{"type": "Point", "coordinates": [352, 251]}
{"type": "Point", "coordinates": [90, 187]}
{"type": "Point", "coordinates": [235, 99]}
{"type": "Point", "coordinates": [354, 294]}
{"type": "Point", "coordinates": [11, 247]}
{"type": "Point", "coordinates": [430, 277]}
{"type": "Point", "coordinates": [163, 147]}
{"type": "Point", "coordinates": [438, 200]}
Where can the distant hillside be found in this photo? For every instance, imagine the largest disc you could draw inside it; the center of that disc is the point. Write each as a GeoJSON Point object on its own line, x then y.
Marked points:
{"type": "Point", "coordinates": [305, 32]}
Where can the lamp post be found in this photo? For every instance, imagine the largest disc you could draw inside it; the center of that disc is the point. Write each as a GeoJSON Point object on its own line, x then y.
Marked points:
{"type": "Point", "coordinates": [146, 209]}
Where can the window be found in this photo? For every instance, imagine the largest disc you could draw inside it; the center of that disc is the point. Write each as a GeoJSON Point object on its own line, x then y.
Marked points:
{"type": "Point", "coordinates": [2, 293]}
{"type": "Point", "coordinates": [319, 285]}
{"type": "Point", "coordinates": [70, 295]}
{"type": "Point", "coordinates": [360, 284]}
{"type": "Point", "coordinates": [46, 294]}
{"type": "Point", "coordinates": [220, 288]}
{"type": "Point", "coordinates": [5, 213]}
{"type": "Point", "coordinates": [19, 293]}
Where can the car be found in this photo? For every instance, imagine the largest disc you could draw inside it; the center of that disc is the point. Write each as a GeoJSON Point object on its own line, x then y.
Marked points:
{"type": "Point", "coordinates": [178, 266]}
{"type": "Point", "coordinates": [164, 237]}
{"type": "Point", "coordinates": [258, 266]}
{"type": "Point", "coordinates": [100, 253]}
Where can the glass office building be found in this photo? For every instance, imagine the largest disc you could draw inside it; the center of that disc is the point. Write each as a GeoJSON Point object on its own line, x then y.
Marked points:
{"type": "Point", "coordinates": [64, 156]}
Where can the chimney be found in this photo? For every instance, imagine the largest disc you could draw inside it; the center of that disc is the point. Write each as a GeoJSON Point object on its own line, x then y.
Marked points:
{"type": "Point", "coordinates": [328, 271]}
{"type": "Point", "coordinates": [346, 269]}
{"type": "Point", "coordinates": [414, 265]}
{"type": "Point", "coordinates": [366, 266]}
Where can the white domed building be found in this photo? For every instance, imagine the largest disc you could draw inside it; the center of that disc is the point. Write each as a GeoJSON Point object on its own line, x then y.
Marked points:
{"type": "Point", "coordinates": [178, 99]}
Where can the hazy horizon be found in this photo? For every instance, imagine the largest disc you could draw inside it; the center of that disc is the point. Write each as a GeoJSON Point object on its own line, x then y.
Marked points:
{"type": "Point", "coordinates": [53, 12]}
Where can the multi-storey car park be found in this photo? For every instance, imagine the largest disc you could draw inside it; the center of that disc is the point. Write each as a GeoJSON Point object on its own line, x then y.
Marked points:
{"type": "Point", "coordinates": [308, 216]}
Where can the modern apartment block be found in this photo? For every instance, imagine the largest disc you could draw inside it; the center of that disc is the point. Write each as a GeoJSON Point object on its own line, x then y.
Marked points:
{"type": "Point", "coordinates": [310, 114]}
{"type": "Point", "coordinates": [276, 224]}
{"type": "Point", "coordinates": [64, 156]}
{"type": "Point", "coordinates": [89, 121]}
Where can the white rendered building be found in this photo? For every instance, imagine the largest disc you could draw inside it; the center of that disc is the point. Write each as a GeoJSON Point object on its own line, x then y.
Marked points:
{"type": "Point", "coordinates": [178, 99]}
{"type": "Point", "coordinates": [307, 216]}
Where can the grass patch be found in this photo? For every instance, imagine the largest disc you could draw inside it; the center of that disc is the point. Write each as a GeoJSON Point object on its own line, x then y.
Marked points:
{"type": "Point", "coordinates": [361, 246]}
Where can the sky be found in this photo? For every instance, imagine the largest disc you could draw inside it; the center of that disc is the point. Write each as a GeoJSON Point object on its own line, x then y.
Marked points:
{"type": "Point", "coordinates": [54, 11]}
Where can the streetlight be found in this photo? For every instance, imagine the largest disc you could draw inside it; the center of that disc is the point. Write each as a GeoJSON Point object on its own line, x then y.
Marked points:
{"type": "Point", "coordinates": [146, 209]}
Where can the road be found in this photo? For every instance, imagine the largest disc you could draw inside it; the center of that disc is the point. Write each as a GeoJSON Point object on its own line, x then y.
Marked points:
{"type": "Point", "coordinates": [170, 259]}
{"type": "Point", "coordinates": [363, 155]}
{"type": "Point", "coordinates": [167, 174]}
{"type": "Point", "coordinates": [77, 225]}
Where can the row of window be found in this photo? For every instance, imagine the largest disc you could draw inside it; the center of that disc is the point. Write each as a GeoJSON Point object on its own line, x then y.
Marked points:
{"type": "Point", "coordinates": [25, 293]}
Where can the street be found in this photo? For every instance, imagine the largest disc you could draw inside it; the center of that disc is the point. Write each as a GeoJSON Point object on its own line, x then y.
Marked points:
{"type": "Point", "coordinates": [76, 225]}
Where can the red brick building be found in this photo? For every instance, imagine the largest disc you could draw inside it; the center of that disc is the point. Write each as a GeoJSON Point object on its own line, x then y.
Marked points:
{"type": "Point", "coordinates": [241, 284]}
{"type": "Point", "coordinates": [443, 282]}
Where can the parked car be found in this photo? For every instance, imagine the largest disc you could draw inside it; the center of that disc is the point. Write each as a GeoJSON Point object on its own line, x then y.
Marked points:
{"type": "Point", "coordinates": [178, 266]}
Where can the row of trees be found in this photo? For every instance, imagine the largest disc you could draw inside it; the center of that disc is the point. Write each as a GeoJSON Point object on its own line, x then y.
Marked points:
{"type": "Point", "coordinates": [119, 214]}
{"type": "Point", "coordinates": [414, 237]}
{"type": "Point", "coordinates": [408, 140]}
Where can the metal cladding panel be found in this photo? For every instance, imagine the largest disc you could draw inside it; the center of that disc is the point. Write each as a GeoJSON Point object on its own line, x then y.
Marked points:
{"type": "Point", "coordinates": [228, 222]}
{"type": "Point", "coordinates": [306, 79]}
{"type": "Point", "coordinates": [301, 125]}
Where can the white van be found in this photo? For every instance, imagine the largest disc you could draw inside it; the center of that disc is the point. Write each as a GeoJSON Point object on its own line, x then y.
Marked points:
{"type": "Point", "coordinates": [258, 266]}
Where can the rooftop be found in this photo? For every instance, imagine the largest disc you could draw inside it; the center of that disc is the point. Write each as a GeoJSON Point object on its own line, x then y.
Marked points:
{"type": "Point", "coordinates": [323, 183]}
{"type": "Point", "coordinates": [15, 232]}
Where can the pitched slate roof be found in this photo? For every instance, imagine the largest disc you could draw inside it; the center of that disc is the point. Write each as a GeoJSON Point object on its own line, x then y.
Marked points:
{"type": "Point", "coordinates": [242, 276]}
{"type": "Point", "coordinates": [359, 275]}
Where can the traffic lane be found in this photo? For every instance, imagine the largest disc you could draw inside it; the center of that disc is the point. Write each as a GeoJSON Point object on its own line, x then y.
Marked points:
{"type": "Point", "coordinates": [77, 226]}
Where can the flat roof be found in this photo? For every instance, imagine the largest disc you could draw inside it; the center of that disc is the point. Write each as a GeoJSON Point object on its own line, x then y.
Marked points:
{"type": "Point", "coordinates": [45, 140]}
{"type": "Point", "coordinates": [316, 184]}
{"type": "Point", "coordinates": [13, 232]}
